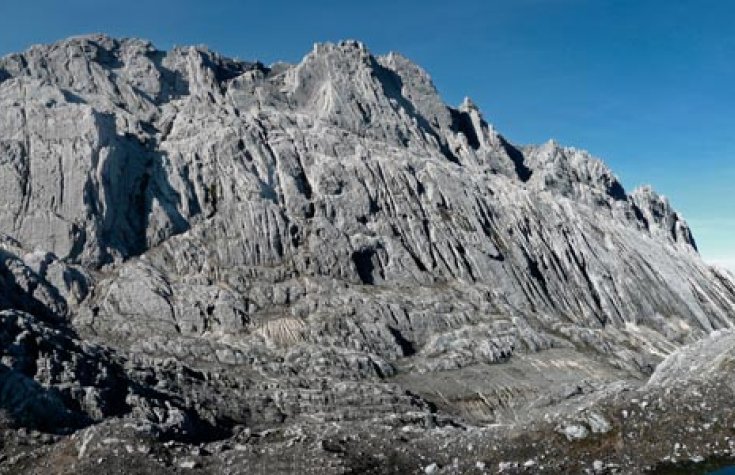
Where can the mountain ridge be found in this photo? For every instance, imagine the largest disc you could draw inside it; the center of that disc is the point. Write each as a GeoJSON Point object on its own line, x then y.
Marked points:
{"type": "Point", "coordinates": [224, 245]}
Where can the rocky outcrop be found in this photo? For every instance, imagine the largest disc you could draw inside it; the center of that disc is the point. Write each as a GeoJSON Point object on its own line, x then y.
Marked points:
{"type": "Point", "coordinates": [263, 246]}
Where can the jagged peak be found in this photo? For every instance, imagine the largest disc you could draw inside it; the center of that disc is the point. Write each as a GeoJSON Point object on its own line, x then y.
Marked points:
{"type": "Point", "coordinates": [550, 145]}
{"type": "Point", "coordinates": [346, 47]}
{"type": "Point", "coordinates": [552, 149]}
{"type": "Point", "coordinates": [647, 190]}
{"type": "Point", "coordinates": [658, 211]}
{"type": "Point", "coordinates": [82, 39]}
{"type": "Point", "coordinates": [355, 44]}
{"type": "Point", "coordinates": [115, 44]}
{"type": "Point", "coordinates": [468, 105]}
{"type": "Point", "coordinates": [94, 40]}
{"type": "Point", "coordinates": [400, 62]}
{"type": "Point", "coordinates": [646, 193]}
{"type": "Point", "coordinates": [325, 59]}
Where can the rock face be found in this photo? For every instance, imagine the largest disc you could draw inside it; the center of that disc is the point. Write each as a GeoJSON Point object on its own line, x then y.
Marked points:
{"type": "Point", "coordinates": [214, 244]}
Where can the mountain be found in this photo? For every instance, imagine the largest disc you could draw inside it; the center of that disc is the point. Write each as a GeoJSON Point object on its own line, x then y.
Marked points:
{"type": "Point", "coordinates": [323, 267]}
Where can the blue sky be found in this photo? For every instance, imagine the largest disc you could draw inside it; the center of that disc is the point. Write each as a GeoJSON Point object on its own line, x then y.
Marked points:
{"type": "Point", "coordinates": [646, 85]}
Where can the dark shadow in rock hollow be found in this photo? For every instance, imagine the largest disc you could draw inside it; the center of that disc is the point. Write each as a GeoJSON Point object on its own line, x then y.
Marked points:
{"type": "Point", "coordinates": [133, 179]}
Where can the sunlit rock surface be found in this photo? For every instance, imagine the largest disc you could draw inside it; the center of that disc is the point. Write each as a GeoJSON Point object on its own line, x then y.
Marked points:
{"type": "Point", "coordinates": [195, 246]}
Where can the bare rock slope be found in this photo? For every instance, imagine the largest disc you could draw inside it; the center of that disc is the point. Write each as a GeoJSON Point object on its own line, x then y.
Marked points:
{"type": "Point", "coordinates": [195, 246]}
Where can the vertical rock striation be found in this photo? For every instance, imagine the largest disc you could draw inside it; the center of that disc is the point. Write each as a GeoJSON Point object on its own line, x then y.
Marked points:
{"type": "Point", "coordinates": [308, 240]}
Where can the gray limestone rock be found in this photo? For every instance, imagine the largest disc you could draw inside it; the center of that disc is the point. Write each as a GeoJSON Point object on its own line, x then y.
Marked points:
{"type": "Point", "coordinates": [320, 242]}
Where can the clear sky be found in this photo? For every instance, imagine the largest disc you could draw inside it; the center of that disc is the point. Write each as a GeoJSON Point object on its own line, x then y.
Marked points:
{"type": "Point", "coordinates": [646, 85]}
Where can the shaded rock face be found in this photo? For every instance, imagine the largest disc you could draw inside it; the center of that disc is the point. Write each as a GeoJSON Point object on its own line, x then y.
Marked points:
{"type": "Point", "coordinates": [306, 241]}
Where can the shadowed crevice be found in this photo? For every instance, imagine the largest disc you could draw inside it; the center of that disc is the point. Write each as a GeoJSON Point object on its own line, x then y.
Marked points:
{"type": "Point", "coordinates": [524, 173]}
{"type": "Point", "coordinates": [406, 346]}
